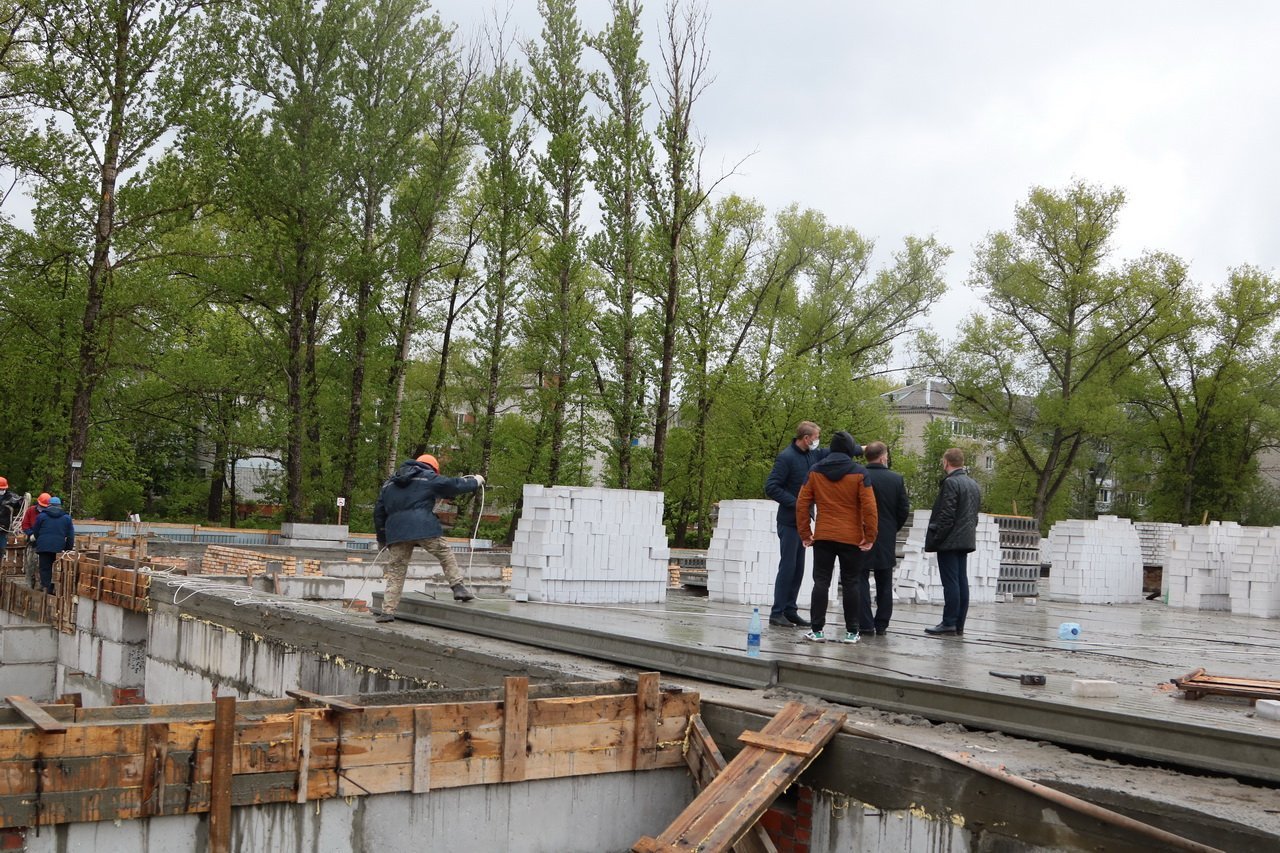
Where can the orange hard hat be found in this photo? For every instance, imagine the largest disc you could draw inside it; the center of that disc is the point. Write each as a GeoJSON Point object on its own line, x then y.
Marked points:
{"type": "Point", "coordinates": [428, 459]}
{"type": "Point", "coordinates": [4, 484]}
{"type": "Point", "coordinates": [44, 498]}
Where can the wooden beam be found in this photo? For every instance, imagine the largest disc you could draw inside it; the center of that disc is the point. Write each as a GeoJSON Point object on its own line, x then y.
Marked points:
{"type": "Point", "coordinates": [778, 744]}
{"type": "Point", "coordinates": [333, 702]}
{"type": "Point", "coordinates": [224, 735]}
{"type": "Point", "coordinates": [35, 715]}
{"type": "Point", "coordinates": [421, 750]}
{"type": "Point", "coordinates": [302, 743]}
{"type": "Point", "coordinates": [648, 709]}
{"type": "Point", "coordinates": [515, 728]}
{"type": "Point", "coordinates": [706, 761]}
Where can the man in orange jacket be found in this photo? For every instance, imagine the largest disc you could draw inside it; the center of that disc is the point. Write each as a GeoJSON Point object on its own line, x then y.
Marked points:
{"type": "Point", "coordinates": [846, 527]}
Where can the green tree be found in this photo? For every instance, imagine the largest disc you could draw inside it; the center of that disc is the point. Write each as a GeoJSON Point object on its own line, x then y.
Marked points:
{"type": "Point", "coordinates": [1040, 371]}
{"type": "Point", "coordinates": [387, 75]}
{"type": "Point", "coordinates": [1207, 398]}
{"type": "Point", "coordinates": [114, 82]}
{"type": "Point", "coordinates": [557, 308]}
{"type": "Point", "coordinates": [624, 157]}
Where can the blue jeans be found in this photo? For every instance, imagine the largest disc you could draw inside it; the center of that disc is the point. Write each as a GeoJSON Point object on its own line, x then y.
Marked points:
{"type": "Point", "coordinates": [953, 567]}
{"type": "Point", "coordinates": [786, 589]}
{"type": "Point", "coordinates": [47, 559]}
{"type": "Point", "coordinates": [884, 599]}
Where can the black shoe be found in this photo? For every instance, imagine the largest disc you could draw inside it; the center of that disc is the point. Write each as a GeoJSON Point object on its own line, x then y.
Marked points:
{"type": "Point", "coordinates": [940, 629]}
{"type": "Point", "coordinates": [959, 632]}
{"type": "Point", "coordinates": [461, 593]}
{"type": "Point", "coordinates": [867, 632]}
{"type": "Point", "coordinates": [385, 617]}
{"type": "Point", "coordinates": [880, 632]}
{"type": "Point", "coordinates": [798, 620]}
{"type": "Point", "coordinates": [779, 622]}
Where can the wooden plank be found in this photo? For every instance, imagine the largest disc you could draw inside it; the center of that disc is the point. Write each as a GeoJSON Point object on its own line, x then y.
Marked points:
{"type": "Point", "coordinates": [155, 755]}
{"type": "Point", "coordinates": [515, 728]}
{"type": "Point", "coordinates": [421, 750]}
{"type": "Point", "coordinates": [777, 744]}
{"type": "Point", "coordinates": [326, 701]}
{"type": "Point", "coordinates": [35, 715]}
{"type": "Point", "coordinates": [648, 707]}
{"type": "Point", "coordinates": [706, 761]}
{"type": "Point", "coordinates": [302, 746]}
{"type": "Point", "coordinates": [224, 733]}
{"type": "Point", "coordinates": [726, 810]}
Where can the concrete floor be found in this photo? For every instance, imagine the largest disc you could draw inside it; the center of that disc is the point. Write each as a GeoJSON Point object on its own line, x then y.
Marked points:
{"type": "Point", "coordinates": [1140, 647]}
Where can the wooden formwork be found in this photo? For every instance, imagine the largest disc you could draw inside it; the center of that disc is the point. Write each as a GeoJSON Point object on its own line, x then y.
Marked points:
{"type": "Point", "coordinates": [131, 762]}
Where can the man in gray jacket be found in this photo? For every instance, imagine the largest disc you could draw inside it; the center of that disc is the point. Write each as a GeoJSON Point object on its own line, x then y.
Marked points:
{"type": "Point", "coordinates": [953, 534]}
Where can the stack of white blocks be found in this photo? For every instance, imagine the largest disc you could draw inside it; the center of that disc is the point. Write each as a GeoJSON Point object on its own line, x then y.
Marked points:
{"type": "Point", "coordinates": [1255, 573]}
{"type": "Point", "coordinates": [581, 545]}
{"type": "Point", "coordinates": [1197, 572]}
{"type": "Point", "coordinates": [1096, 561]}
{"type": "Point", "coordinates": [917, 578]}
{"type": "Point", "coordinates": [1154, 536]}
{"type": "Point", "coordinates": [742, 561]}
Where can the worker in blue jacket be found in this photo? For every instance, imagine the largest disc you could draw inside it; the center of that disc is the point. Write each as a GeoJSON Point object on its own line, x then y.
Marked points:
{"type": "Point", "coordinates": [404, 517]}
{"type": "Point", "coordinates": [53, 534]}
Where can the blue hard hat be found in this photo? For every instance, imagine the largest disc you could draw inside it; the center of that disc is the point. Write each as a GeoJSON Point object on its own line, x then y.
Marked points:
{"type": "Point", "coordinates": [55, 501]}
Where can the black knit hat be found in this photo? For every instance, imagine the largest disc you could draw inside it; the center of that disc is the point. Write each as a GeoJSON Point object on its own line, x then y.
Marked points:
{"type": "Point", "coordinates": [842, 442]}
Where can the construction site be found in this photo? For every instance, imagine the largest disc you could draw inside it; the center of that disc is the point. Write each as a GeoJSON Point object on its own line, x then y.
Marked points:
{"type": "Point", "coordinates": [205, 689]}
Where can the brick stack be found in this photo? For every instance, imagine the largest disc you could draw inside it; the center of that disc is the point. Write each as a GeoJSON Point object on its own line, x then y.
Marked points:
{"type": "Point", "coordinates": [1154, 536]}
{"type": "Point", "coordinates": [742, 560]}
{"type": "Point", "coordinates": [590, 546]}
{"type": "Point", "coordinates": [917, 576]}
{"type": "Point", "coordinates": [222, 560]}
{"type": "Point", "coordinates": [1095, 561]}
{"type": "Point", "coordinates": [1019, 555]}
{"type": "Point", "coordinates": [1197, 572]}
{"type": "Point", "coordinates": [1255, 573]}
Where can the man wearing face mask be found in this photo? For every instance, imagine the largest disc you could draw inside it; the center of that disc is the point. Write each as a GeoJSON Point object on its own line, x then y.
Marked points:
{"type": "Point", "coordinates": [783, 484]}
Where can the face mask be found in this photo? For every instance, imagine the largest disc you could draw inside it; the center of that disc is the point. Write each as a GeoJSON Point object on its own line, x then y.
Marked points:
{"type": "Point", "coordinates": [814, 444]}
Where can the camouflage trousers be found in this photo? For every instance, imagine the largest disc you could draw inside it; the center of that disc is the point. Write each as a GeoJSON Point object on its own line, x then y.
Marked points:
{"type": "Point", "coordinates": [31, 566]}
{"type": "Point", "coordinates": [395, 571]}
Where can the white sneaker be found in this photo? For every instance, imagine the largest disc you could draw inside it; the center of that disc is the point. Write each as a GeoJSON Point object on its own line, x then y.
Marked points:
{"type": "Point", "coordinates": [850, 638]}
{"type": "Point", "coordinates": [815, 636]}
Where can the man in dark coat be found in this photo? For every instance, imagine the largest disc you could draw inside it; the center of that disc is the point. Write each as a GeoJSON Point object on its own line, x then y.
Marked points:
{"type": "Point", "coordinates": [10, 506]}
{"type": "Point", "coordinates": [790, 469]}
{"type": "Point", "coordinates": [53, 533]}
{"type": "Point", "coordinates": [404, 516]}
{"type": "Point", "coordinates": [953, 534]}
{"type": "Point", "coordinates": [894, 508]}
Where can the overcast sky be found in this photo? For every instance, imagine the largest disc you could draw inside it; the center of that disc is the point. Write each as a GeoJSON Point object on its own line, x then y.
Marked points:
{"type": "Point", "coordinates": [922, 118]}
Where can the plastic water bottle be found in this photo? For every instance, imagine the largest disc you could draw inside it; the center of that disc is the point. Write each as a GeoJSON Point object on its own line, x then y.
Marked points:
{"type": "Point", "coordinates": [1069, 631]}
{"type": "Point", "coordinates": [753, 634]}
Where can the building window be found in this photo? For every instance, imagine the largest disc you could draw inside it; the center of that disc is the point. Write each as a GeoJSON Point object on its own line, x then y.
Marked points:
{"type": "Point", "coordinates": [989, 462]}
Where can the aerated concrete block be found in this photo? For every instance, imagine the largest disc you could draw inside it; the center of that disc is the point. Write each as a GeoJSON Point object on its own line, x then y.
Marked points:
{"type": "Point", "coordinates": [1095, 688]}
{"type": "Point", "coordinates": [1268, 709]}
{"type": "Point", "coordinates": [33, 680]}
{"type": "Point", "coordinates": [28, 644]}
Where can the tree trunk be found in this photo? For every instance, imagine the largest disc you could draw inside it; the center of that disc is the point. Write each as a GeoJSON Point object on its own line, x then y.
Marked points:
{"type": "Point", "coordinates": [355, 412]}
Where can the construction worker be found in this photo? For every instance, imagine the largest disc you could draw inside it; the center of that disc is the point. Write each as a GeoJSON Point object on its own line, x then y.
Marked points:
{"type": "Point", "coordinates": [53, 533]}
{"type": "Point", "coordinates": [405, 516]}
{"type": "Point", "coordinates": [846, 529]}
{"type": "Point", "coordinates": [30, 560]}
{"type": "Point", "coordinates": [10, 506]}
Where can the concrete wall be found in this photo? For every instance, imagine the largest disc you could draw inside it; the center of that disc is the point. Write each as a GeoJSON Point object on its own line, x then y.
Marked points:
{"type": "Point", "coordinates": [588, 814]}
{"type": "Point", "coordinates": [28, 658]}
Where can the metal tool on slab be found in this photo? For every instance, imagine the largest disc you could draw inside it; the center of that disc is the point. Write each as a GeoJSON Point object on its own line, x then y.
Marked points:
{"type": "Point", "coordinates": [1026, 678]}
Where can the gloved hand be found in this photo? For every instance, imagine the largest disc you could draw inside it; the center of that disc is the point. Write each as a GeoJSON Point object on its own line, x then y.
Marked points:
{"type": "Point", "coordinates": [479, 478]}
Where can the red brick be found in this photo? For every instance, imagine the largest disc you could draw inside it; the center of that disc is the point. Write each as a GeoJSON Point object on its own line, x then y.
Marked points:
{"type": "Point", "coordinates": [788, 826]}
{"type": "Point", "coordinates": [804, 807]}
{"type": "Point", "coordinates": [803, 835]}
{"type": "Point", "coordinates": [13, 838]}
{"type": "Point", "coordinates": [771, 820]}
{"type": "Point", "coordinates": [785, 845]}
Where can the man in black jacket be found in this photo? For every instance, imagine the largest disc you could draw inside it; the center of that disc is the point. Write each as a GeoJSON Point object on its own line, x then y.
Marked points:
{"type": "Point", "coordinates": [10, 506]}
{"type": "Point", "coordinates": [894, 508]}
{"type": "Point", "coordinates": [783, 484]}
{"type": "Point", "coordinates": [405, 516]}
{"type": "Point", "coordinates": [953, 534]}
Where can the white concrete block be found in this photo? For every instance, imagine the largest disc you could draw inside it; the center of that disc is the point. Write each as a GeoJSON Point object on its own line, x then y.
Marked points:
{"type": "Point", "coordinates": [28, 644]}
{"type": "Point", "coordinates": [1268, 709]}
{"type": "Point", "coordinates": [1095, 688]}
